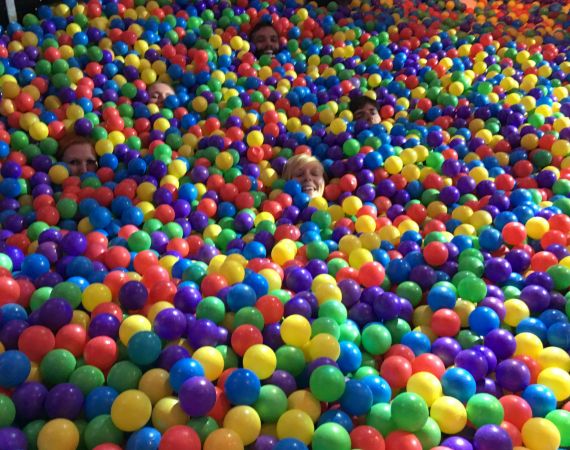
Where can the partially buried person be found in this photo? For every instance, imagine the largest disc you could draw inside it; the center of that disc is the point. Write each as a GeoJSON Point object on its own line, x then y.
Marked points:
{"type": "Point", "coordinates": [158, 93]}
{"type": "Point", "coordinates": [78, 153]}
{"type": "Point", "coordinates": [364, 108]}
{"type": "Point", "coordinates": [308, 171]}
{"type": "Point", "coordinates": [265, 39]}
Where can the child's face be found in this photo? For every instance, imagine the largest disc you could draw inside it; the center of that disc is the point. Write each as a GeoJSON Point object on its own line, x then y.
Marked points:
{"type": "Point", "coordinates": [311, 177]}
{"type": "Point", "coordinates": [158, 93]}
{"type": "Point", "coordinates": [266, 41]}
{"type": "Point", "coordinates": [368, 113]}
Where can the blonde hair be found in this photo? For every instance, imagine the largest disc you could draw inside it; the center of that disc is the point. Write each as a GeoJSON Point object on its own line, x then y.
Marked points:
{"type": "Point", "coordinates": [298, 161]}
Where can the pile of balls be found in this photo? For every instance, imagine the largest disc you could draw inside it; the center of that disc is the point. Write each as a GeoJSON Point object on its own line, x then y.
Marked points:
{"type": "Point", "coordinates": [186, 297]}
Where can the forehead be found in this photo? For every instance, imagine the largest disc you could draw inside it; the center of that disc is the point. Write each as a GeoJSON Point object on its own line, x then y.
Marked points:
{"type": "Point", "coordinates": [311, 165]}
{"type": "Point", "coordinates": [80, 150]}
{"type": "Point", "coordinates": [366, 107]}
{"type": "Point", "coordinates": [264, 32]}
{"type": "Point", "coordinates": [160, 88]}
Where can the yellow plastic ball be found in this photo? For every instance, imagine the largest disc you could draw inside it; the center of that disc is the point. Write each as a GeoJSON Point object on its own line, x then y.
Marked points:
{"type": "Point", "coordinates": [261, 360]}
{"type": "Point", "coordinates": [450, 414]}
{"type": "Point", "coordinates": [528, 344]}
{"type": "Point", "coordinates": [58, 173]}
{"type": "Point", "coordinates": [168, 413]}
{"type": "Point", "coordinates": [516, 311]}
{"type": "Point", "coordinates": [295, 330]}
{"type": "Point", "coordinates": [540, 434]}
{"type": "Point", "coordinates": [305, 401]}
{"type": "Point", "coordinates": [58, 434]}
{"type": "Point", "coordinates": [393, 165]}
{"type": "Point", "coordinates": [94, 295]}
{"type": "Point", "coordinates": [155, 384]}
{"type": "Point", "coordinates": [245, 421]}
{"type": "Point", "coordinates": [255, 139]}
{"type": "Point", "coordinates": [327, 292]}
{"type": "Point", "coordinates": [556, 379]}
{"type": "Point", "coordinates": [295, 424]}
{"type": "Point", "coordinates": [211, 361]}
{"type": "Point", "coordinates": [359, 257]}
{"type": "Point", "coordinates": [131, 410]}
{"type": "Point", "coordinates": [426, 385]}
{"type": "Point", "coordinates": [324, 345]}
{"type": "Point", "coordinates": [132, 325]}
{"type": "Point", "coordinates": [223, 438]}
{"type": "Point", "coordinates": [351, 205]}
{"type": "Point", "coordinates": [285, 250]}
{"type": "Point", "coordinates": [554, 357]}
{"type": "Point", "coordinates": [536, 227]}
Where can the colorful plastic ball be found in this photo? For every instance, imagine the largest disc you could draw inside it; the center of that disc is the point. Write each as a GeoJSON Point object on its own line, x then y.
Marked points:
{"type": "Point", "coordinates": [58, 433]}
{"type": "Point", "coordinates": [483, 320]}
{"type": "Point", "coordinates": [458, 383]}
{"type": "Point", "coordinates": [144, 348]}
{"type": "Point", "coordinates": [131, 410]}
{"type": "Point", "coordinates": [357, 398]}
{"type": "Point", "coordinates": [561, 419]}
{"type": "Point", "coordinates": [484, 409]}
{"type": "Point", "coordinates": [245, 421]}
{"type": "Point", "coordinates": [409, 412]}
{"type": "Point", "coordinates": [367, 438]}
{"type": "Point", "coordinates": [290, 444]}
{"type": "Point", "coordinates": [242, 387]}
{"type": "Point", "coordinates": [490, 437]}
{"type": "Point", "coordinates": [402, 440]}
{"type": "Point", "coordinates": [146, 438]}
{"type": "Point", "coordinates": [261, 360]}
{"type": "Point", "coordinates": [558, 380]}
{"type": "Point", "coordinates": [327, 383]}
{"type": "Point", "coordinates": [295, 330]}
{"type": "Point", "coordinates": [331, 436]}
{"type": "Point", "coordinates": [180, 437]}
{"type": "Point", "coordinates": [197, 396]}
{"type": "Point", "coordinates": [182, 370]}
{"type": "Point", "coordinates": [426, 385]}
{"type": "Point", "coordinates": [450, 414]}
{"type": "Point", "coordinates": [14, 368]}
{"type": "Point", "coordinates": [296, 424]}
{"type": "Point", "coordinates": [538, 433]}
{"type": "Point", "coordinates": [223, 438]}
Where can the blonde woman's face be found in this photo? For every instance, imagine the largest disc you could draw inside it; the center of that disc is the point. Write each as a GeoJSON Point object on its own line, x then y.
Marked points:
{"type": "Point", "coordinates": [311, 178]}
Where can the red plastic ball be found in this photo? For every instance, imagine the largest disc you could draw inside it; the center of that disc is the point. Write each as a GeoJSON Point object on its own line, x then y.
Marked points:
{"type": "Point", "coordinates": [396, 370]}
{"type": "Point", "coordinates": [400, 440]}
{"type": "Point", "coordinates": [365, 437]}
{"type": "Point", "coordinates": [36, 341]}
{"type": "Point", "coordinates": [71, 337]}
{"type": "Point", "coordinates": [445, 323]}
{"type": "Point", "coordinates": [180, 437]}
{"type": "Point", "coordinates": [436, 253]}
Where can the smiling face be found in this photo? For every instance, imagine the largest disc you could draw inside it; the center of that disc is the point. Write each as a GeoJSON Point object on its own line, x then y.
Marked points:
{"type": "Point", "coordinates": [80, 158]}
{"type": "Point", "coordinates": [158, 93]}
{"type": "Point", "coordinates": [369, 113]}
{"type": "Point", "coordinates": [311, 178]}
{"type": "Point", "coordinates": [266, 41]}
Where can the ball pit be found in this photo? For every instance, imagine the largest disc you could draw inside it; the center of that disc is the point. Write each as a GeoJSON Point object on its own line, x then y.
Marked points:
{"type": "Point", "coordinates": [185, 296]}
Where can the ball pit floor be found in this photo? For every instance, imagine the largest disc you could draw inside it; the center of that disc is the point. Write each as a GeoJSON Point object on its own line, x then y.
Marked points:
{"type": "Point", "coordinates": [184, 296]}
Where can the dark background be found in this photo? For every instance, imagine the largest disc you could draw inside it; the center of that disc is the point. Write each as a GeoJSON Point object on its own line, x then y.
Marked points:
{"type": "Point", "coordinates": [23, 7]}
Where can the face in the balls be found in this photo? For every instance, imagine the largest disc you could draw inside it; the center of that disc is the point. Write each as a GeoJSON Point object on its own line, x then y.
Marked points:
{"type": "Point", "coordinates": [266, 41]}
{"type": "Point", "coordinates": [369, 113]}
{"type": "Point", "coordinates": [311, 177]}
{"type": "Point", "coordinates": [80, 158]}
{"type": "Point", "coordinates": [158, 93]}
